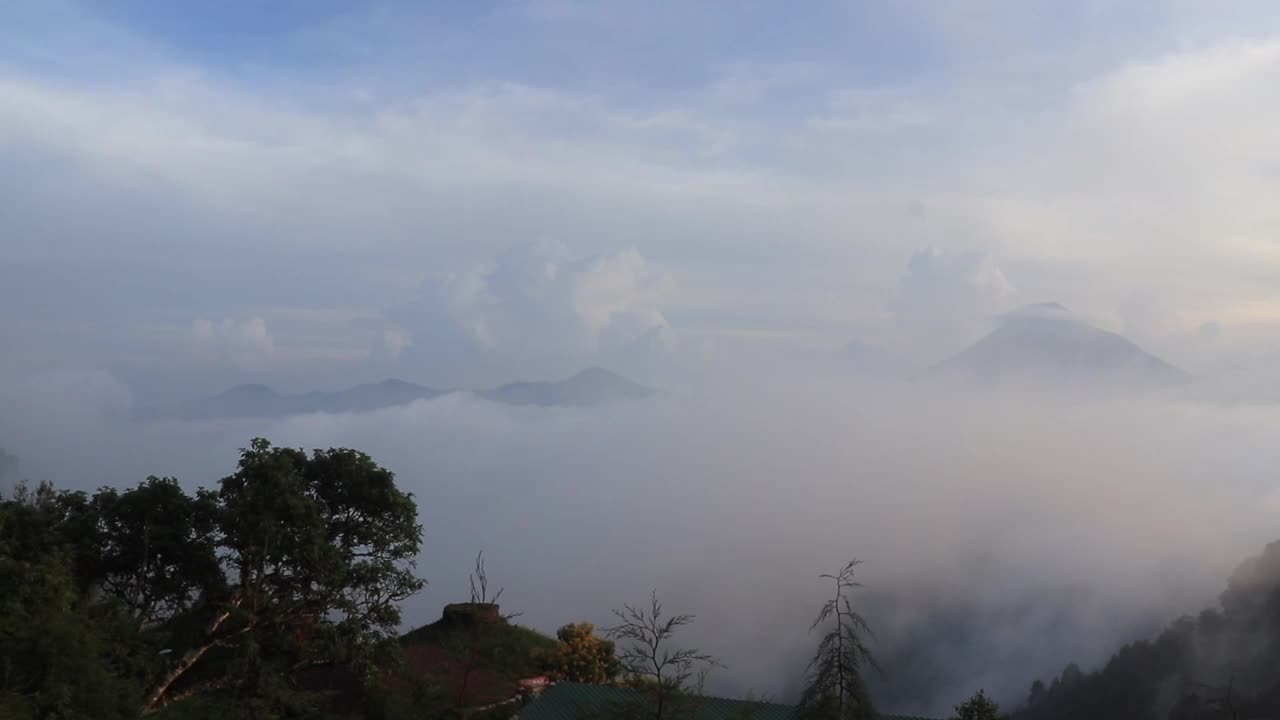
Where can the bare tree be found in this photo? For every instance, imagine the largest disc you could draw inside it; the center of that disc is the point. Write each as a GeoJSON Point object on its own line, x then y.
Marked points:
{"type": "Point", "coordinates": [670, 675]}
{"type": "Point", "coordinates": [479, 581]}
{"type": "Point", "coordinates": [836, 688]}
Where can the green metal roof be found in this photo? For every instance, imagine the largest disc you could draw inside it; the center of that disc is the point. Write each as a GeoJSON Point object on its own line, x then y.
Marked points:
{"type": "Point", "coordinates": [576, 701]}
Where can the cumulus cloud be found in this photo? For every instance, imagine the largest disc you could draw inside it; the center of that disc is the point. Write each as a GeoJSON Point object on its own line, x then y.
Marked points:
{"type": "Point", "coordinates": [246, 344]}
{"type": "Point", "coordinates": [394, 341]}
{"type": "Point", "coordinates": [616, 298]}
{"type": "Point", "coordinates": [1154, 177]}
{"type": "Point", "coordinates": [539, 303]}
{"type": "Point", "coordinates": [945, 299]}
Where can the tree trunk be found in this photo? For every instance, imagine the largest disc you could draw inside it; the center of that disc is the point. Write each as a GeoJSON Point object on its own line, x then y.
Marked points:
{"type": "Point", "coordinates": [190, 658]}
{"type": "Point", "coordinates": [198, 689]}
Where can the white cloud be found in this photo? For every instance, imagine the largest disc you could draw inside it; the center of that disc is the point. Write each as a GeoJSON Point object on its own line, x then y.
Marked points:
{"type": "Point", "coordinates": [247, 344]}
{"type": "Point", "coordinates": [1157, 177]}
{"type": "Point", "coordinates": [395, 340]}
{"type": "Point", "coordinates": [946, 299]}
{"type": "Point", "coordinates": [775, 188]}
{"type": "Point", "coordinates": [537, 304]}
{"type": "Point", "coordinates": [616, 298]}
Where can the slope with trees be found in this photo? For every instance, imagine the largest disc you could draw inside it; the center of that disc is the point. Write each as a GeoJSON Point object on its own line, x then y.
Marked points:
{"type": "Point", "coordinates": [1222, 663]}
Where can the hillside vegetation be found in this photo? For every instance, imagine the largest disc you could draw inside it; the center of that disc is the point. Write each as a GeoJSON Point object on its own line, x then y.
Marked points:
{"type": "Point", "coordinates": [277, 595]}
{"type": "Point", "coordinates": [1222, 663]}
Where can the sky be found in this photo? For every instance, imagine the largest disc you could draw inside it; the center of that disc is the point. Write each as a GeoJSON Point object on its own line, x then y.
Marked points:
{"type": "Point", "coordinates": [311, 193]}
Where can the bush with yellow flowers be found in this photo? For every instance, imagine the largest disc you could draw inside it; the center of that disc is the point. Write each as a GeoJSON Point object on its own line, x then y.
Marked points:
{"type": "Point", "coordinates": [582, 657]}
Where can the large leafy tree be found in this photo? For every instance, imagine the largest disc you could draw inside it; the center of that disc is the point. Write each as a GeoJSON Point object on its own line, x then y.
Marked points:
{"type": "Point", "coordinates": [317, 552]}
{"type": "Point", "coordinates": [836, 688]}
{"type": "Point", "coordinates": [150, 596]}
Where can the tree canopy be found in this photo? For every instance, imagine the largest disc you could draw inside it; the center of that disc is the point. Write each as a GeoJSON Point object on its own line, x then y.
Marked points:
{"type": "Point", "coordinates": [295, 559]}
{"type": "Point", "coordinates": [583, 657]}
{"type": "Point", "coordinates": [978, 707]}
{"type": "Point", "coordinates": [62, 654]}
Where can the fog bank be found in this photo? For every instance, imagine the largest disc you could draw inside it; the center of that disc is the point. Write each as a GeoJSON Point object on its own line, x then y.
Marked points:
{"type": "Point", "coordinates": [1003, 535]}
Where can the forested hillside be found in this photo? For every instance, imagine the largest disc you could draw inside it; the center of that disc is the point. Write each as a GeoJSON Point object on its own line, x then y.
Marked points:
{"type": "Point", "coordinates": [1222, 663]}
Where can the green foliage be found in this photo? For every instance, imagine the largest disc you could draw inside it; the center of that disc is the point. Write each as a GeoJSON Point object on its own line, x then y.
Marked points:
{"type": "Point", "coordinates": [208, 599]}
{"type": "Point", "coordinates": [411, 699]}
{"type": "Point", "coordinates": [483, 642]}
{"type": "Point", "coordinates": [502, 712]}
{"type": "Point", "coordinates": [978, 707]}
{"type": "Point", "coordinates": [582, 656]}
{"type": "Point", "coordinates": [503, 647]}
{"type": "Point", "coordinates": [1222, 663]}
{"type": "Point", "coordinates": [836, 688]}
{"type": "Point", "coordinates": [152, 547]}
{"type": "Point", "coordinates": [319, 552]}
{"type": "Point", "coordinates": [62, 655]}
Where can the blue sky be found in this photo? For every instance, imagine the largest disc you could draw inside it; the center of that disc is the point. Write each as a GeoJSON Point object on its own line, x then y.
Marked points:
{"type": "Point", "coordinates": [580, 46]}
{"type": "Point", "coordinates": [320, 192]}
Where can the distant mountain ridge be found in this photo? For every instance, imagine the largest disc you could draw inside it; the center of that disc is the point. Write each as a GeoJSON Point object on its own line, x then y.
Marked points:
{"type": "Point", "coordinates": [592, 387]}
{"type": "Point", "coordinates": [1046, 342]}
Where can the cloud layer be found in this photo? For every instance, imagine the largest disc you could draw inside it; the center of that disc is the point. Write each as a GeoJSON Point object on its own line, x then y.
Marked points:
{"type": "Point", "coordinates": [947, 301]}
{"type": "Point", "coordinates": [786, 193]}
{"type": "Point", "coordinates": [537, 302]}
{"type": "Point", "coordinates": [1003, 536]}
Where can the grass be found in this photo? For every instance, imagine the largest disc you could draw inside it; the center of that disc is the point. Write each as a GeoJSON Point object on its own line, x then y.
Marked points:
{"type": "Point", "coordinates": [505, 648]}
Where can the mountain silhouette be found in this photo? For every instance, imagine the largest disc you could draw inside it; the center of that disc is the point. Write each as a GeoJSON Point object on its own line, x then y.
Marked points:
{"type": "Point", "coordinates": [590, 388]}
{"type": "Point", "coordinates": [1047, 343]}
